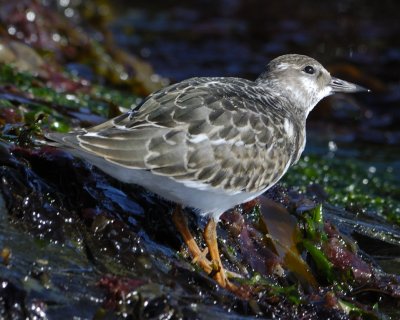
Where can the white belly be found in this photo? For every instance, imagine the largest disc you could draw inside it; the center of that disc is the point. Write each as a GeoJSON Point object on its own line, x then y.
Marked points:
{"type": "Point", "coordinates": [208, 200]}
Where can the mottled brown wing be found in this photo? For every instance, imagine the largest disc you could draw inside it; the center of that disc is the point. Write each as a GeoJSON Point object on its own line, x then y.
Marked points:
{"type": "Point", "coordinates": [196, 131]}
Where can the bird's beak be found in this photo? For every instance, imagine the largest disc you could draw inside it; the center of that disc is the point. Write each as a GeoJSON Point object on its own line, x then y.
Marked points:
{"type": "Point", "coordinates": [339, 85]}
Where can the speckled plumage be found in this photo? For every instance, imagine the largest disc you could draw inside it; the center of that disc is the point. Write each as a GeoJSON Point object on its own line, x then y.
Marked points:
{"type": "Point", "coordinates": [211, 143]}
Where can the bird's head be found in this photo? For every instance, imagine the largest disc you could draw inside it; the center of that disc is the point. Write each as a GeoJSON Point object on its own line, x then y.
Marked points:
{"type": "Point", "coordinates": [303, 80]}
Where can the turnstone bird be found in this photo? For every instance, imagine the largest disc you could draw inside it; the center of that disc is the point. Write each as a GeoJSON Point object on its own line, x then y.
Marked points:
{"type": "Point", "coordinates": [211, 143]}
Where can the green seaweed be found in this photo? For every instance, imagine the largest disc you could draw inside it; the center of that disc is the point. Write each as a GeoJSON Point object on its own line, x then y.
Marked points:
{"type": "Point", "coordinates": [32, 98]}
{"type": "Point", "coordinates": [351, 183]}
{"type": "Point", "coordinates": [314, 238]}
{"type": "Point", "coordinates": [356, 313]}
{"type": "Point", "coordinates": [9, 75]}
{"type": "Point", "coordinates": [324, 266]}
{"type": "Point", "coordinates": [289, 292]}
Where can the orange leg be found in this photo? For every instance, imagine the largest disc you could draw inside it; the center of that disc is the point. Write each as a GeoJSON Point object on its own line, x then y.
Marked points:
{"type": "Point", "coordinates": [213, 267]}
{"type": "Point", "coordinates": [198, 256]}
{"type": "Point", "coordinates": [210, 237]}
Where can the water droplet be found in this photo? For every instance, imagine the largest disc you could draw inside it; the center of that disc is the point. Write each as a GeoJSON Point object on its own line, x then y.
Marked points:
{"type": "Point", "coordinates": [56, 37]}
{"type": "Point", "coordinates": [123, 76]}
{"type": "Point", "coordinates": [12, 30]}
{"type": "Point", "coordinates": [69, 13]}
{"type": "Point", "coordinates": [64, 3]}
{"type": "Point", "coordinates": [332, 146]}
{"type": "Point", "coordinates": [30, 16]}
{"type": "Point", "coordinates": [372, 169]}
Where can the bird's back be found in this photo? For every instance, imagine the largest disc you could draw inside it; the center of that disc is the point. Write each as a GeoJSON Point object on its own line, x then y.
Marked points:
{"type": "Point", "coordinates": [224, 133]}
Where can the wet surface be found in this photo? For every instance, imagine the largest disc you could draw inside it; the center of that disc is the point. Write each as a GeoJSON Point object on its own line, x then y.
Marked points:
{"type": "Point", "coordinates": [75, 242]}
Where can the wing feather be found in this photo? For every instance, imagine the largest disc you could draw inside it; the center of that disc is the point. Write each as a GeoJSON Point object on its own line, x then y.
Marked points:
{"type": "Point", "coordinates": [196, 131]}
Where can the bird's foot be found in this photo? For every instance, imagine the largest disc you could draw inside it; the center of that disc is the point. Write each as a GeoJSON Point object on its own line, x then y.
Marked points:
{"type": "Point", "coordinates": [214, 267]}
{"type": "Point", "coordinates": [199, 256]}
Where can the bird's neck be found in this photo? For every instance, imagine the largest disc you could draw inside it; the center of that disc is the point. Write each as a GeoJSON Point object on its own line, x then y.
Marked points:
{"type": "Point", "coordinates": [288, 101]}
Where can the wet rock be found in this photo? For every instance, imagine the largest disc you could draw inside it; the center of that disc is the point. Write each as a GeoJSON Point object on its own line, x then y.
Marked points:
{"type": "Point", "coordinates": [12, 300]}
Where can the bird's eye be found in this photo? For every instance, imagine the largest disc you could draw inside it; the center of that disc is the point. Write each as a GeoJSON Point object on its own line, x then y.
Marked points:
{"type": "Point", "coordinates": [309, 70]}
